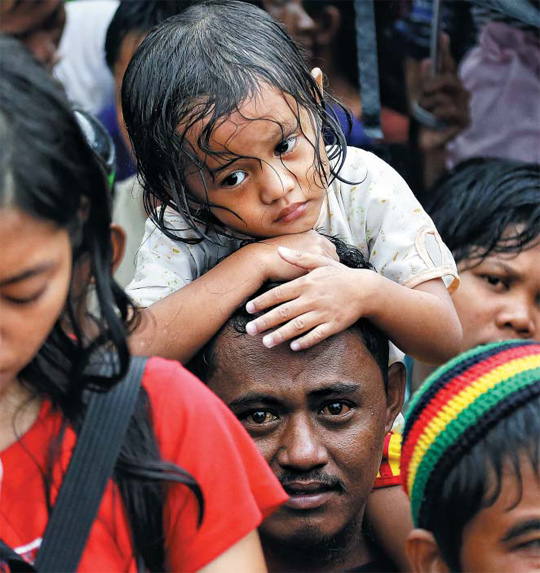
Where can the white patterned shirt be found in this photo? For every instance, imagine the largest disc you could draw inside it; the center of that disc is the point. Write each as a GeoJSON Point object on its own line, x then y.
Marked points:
{"type": "Point", "coordinates": [378, 214]}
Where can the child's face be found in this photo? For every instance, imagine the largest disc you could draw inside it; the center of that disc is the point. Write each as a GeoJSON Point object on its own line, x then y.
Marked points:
{"type": "Point", "coordinates": [269, 178]}
{"type": "Point", "coordinates": [506, 536]}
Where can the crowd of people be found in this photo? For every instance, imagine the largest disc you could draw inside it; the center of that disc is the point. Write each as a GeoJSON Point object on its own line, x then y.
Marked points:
{"type": "Point", "coordinates": [341, 334]}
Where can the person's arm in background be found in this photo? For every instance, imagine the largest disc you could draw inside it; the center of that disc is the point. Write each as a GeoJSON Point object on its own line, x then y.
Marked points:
{"type": "Point", "coordinates": [446, 99]}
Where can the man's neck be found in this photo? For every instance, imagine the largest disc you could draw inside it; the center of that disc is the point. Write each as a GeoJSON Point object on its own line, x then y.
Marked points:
{"type": "Point", "coordinates": [347, 550]}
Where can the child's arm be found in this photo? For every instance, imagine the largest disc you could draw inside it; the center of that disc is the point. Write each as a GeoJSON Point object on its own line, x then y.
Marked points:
{"type": "Point", "coordinates": [180, 324]}
{"type": "Point", "coordinates": [388, 516]}
{"type": "Point", "coordinates": [421, 321]}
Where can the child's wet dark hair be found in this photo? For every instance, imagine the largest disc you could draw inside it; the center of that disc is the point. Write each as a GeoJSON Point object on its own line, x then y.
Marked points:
{"type": "Point", "coordinates": [205, 64]}
{"type": "Point", "coordinates": [476, 205]}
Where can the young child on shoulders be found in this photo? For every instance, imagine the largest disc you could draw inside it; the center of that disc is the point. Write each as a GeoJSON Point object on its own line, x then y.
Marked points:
{"type": "Point", "coordinates": [228, 127]}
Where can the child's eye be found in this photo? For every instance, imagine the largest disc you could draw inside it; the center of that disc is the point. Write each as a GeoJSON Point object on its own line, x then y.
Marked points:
{"type": "Point", "coordinates": [286, 146]}
{"type": "Point", "coordinates": [234, 179]}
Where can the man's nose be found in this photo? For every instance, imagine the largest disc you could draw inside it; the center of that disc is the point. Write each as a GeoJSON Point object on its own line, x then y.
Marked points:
{"type": "Point", "coordinates": [520, 317]}
{"type": "Point", "coordinates": [302, 447]}
{"type": "Point", "coordinates": [278, 182]}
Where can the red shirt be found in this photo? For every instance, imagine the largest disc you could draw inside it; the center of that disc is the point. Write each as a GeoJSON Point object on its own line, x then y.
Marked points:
{"type": "Point", "coordinates": [196, 431]}
{"type": "Point", "coordinates": [389, 474]}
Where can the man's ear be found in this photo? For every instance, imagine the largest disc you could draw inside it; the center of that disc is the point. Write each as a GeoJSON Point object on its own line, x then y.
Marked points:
{"type": "Point", "coordinates": [395, 393]}
{"type": "Point", "coordinates": [118, 239]}
{"type": "Point", "coordinates": [423, 553]}
{"type": "Point", "coordinates": [318, 77]}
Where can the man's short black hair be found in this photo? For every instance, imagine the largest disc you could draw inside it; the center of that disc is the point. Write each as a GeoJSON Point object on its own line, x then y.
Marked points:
{"type": "Point", "coordinates": [203, 364]}
{"type": "Point", "coordinates": [475, 483]}
{"type": "Point", "coordinates": [474, 204]}
{"type": "Point", "coordinates": [138, 16]}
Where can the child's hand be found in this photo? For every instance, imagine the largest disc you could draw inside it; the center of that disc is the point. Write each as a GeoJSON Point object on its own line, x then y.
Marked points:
{"type": "Point", "coordinates": [274, 266]}
{"type": "Point", "coordinates": [321, 303]}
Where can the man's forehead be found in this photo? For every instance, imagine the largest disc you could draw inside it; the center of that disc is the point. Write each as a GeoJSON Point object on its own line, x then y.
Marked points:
{"type": "Point", "coordinates": [244, 365]}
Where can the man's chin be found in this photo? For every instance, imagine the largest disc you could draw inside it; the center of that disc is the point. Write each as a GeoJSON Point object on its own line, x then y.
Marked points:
{"type": "Point", "coordinates": [307, 541]}
{"type": "Point", "coordinates": [304, 527]}
{"type": "Point", "coordinates": [304, 535]}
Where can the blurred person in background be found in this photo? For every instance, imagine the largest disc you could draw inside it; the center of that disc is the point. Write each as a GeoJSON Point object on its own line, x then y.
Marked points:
{"type": "Point", "coordinates": [487, 211]}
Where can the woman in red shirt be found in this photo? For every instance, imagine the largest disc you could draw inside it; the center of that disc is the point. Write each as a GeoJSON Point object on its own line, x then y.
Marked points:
{"type": "Point", "coordinates": [55, 241]}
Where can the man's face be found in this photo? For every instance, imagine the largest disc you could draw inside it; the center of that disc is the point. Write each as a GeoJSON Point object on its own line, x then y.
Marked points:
{"type": "Point", "coordinates": [499, 299]}
{"type": "Point", "coordinates": [299, 24]}
{"type": "Point", "coordinates": [506, 535]}
{"type": "Point", "coordinates": [500, 538]}
{"type": "Point", "coordinates": [38, 24]}
{"type": "Point", "coordinates": [319, 418]}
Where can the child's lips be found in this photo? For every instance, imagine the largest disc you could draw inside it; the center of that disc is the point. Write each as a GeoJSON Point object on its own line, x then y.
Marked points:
{"type": "Point", "coordinates": [291, 212]}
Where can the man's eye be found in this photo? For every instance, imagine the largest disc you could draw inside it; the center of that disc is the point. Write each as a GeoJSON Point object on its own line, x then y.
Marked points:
{"type": "Point", "coordinates": [335, 409]}
{"type": "Point", "coordinates": [496, 282]}
{"type": "Point", "coordinates": [286, 146]}
{"type": "Point", "coordinates": [532, 546]}
{"type": "Point", "coordinates": [260, 417]}
{"type": "Point", "coordinates": [234, 179]}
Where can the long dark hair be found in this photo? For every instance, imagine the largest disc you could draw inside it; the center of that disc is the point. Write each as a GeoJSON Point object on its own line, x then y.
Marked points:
{"type": "Point", "coordinates": [49, 171]}
{"type": "Point", "coordinates": [205, 63]}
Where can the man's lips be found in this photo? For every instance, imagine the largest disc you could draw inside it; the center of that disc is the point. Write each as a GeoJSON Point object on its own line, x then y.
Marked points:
{"type": "Point", "coordinates": [309, 495]}
{"type": "Point", "coordinates": [291, 212]}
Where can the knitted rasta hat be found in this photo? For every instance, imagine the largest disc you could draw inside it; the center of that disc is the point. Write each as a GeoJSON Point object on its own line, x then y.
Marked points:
{"type": "Point", "coordinates": [457, 406]}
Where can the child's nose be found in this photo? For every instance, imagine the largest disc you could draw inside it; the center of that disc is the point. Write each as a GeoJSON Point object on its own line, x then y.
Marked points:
{"type": "Point", "coordinates": [278, 182]}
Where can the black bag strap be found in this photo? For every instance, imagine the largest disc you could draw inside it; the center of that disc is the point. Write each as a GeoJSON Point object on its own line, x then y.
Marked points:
{"type": "Point", "coordinates": [91, 466]}
{"type": "Point", "coordinates": [14, 561]}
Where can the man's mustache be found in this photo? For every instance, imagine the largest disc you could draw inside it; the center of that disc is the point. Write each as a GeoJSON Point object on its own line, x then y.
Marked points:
{"type": "Point", "coordinates": [332, 482]}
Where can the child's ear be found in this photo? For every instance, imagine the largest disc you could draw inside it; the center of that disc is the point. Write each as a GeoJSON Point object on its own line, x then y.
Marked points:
{"type": "Point", "coordinates": [318, 77]}
{"type": "Point", "coordinates": [395, 393]}
{"type": "Point", "coordinates": [118, 239]}
{"type": "Point", "coordinates": [423, 553]}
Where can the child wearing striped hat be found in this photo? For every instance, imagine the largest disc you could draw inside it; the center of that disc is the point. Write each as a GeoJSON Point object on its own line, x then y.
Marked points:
{"type": "Point", "coordinates": [471, 462]}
